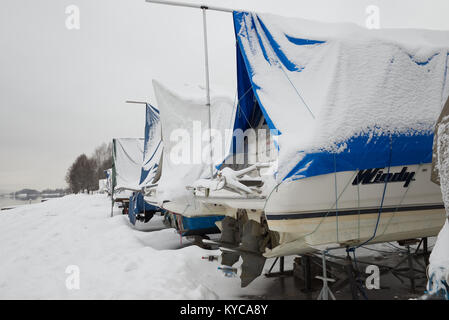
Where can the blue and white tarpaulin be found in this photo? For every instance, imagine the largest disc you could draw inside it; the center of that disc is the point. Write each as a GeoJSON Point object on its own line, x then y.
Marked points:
{"type": "Point", "coordinates": [137, 205]}
{"type": "Point", "coordinates": [339, 97]}
{"type": "Point", "coordinates": [153, 146]}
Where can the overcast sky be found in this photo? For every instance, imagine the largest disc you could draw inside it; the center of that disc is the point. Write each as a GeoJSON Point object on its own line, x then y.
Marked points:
{"type": "Point", "coordinates": [62, 91]}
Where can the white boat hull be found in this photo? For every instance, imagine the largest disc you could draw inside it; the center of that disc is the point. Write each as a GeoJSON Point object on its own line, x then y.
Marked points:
{"type": "Point", "coordinates": [334, 210]}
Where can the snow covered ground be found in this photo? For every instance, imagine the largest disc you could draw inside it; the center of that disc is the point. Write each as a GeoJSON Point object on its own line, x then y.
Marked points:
{"type": "Point", "coordinates": [39, 241]}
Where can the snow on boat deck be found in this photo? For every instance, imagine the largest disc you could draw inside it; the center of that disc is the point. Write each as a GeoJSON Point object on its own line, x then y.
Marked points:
{"type": "Point", "coordinates": [39, 241]}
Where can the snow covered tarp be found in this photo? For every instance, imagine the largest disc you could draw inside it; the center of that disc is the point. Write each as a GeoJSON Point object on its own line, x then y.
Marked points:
{"type": "Point", "coordinates": [438, 271]}
{"type": "Point", "coordinates": [339, 97]}
{"type": "Point", "coordinates": [153, 146]}
{"type": "Point", "coordinates": [185, 121]}
{"type": "Point", "coordinates": [127, 154]}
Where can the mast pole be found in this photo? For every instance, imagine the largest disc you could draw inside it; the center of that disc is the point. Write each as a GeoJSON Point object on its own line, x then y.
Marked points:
{"type": "Point", "coordinates": [190, 5]}
{"type": "Point", "coordinates": [136, 102]}
{"type": "Point", "coordinates": [206, 64]}
{"type": "Point", "coordinates": [206, 59]}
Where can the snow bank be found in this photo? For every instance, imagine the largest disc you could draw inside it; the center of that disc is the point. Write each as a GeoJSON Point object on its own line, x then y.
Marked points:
{"type": "Point", "coordinates": [39, 241]}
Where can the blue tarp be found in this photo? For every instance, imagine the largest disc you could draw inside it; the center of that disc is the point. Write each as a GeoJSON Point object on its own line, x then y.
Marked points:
{"type": "Point", "coordinates": [200, 225]}
{"type": "Point", "coordinates": [137, 205]}
{"type": "Point", "coordinates": [152, 147]}
{"type": "Point", "coordinates": [275, 63]}
{"type": "Point", "coordinates": [151, 156]}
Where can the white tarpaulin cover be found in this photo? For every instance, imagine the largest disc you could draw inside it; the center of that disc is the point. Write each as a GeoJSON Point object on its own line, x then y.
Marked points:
{"type": "Point", "coordinates": [127, 165]}
{"type": "Point", "coordinates": [184, 120]}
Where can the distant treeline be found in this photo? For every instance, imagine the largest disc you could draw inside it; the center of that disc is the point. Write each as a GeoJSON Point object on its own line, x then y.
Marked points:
{"type": "Point", "coordinates": [85, 172]}
{"type": "Point", "coordinates": [36, 193]}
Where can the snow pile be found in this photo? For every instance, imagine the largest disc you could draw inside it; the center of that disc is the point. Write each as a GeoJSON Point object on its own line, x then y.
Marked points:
{"type": "Point", "coordinates": [323, 84]}
{"type": "Point", "coordinates": [38, 243]}
{"type": "Point", "coordinates": [439, 264]}
{"type": "Point", "coordinates": [439, 259]}
{"type": "Point", "coordinates": [185, 123]}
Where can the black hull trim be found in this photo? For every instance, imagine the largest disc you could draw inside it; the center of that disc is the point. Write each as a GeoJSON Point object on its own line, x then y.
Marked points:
{"type": "Point", "coordinates": [350, 212]}
{"type": "Point", "coordinates": [200, 232]}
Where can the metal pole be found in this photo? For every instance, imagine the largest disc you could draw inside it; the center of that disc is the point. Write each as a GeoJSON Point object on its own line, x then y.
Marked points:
{"type": "Point", "coordinates": [112, 204]}
{"type": "Point", "coordinates": [136, 102]}
{"type": "Point", "coordinates": [305, 261]}
{"type": "Point", "coordinates": [325, 290]}
{"type": "Point", "coordinates": [190, 5]}
{"type": "Point", "coordinates": [426, 251]}
{"type": "Point", "coordinates": [206, 57]}
{"type": "Point", "coordinates": [206, 63]}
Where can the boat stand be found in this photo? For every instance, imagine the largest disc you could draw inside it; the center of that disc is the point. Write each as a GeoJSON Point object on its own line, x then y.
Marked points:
{"type": "Point", "coordinates": [307, 273]}
{"type": "Point", "coordinates": [325, 291]}
{"type": "Point", "coordinates": [414, 269]}
{"type": "Point", "coordinates": [281, 272]}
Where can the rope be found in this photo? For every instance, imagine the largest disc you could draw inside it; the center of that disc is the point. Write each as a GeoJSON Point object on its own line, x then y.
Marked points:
{"type": "Point", "coordinates": [240, 108]}
{"type": "Point", "coordinates": [297, 92]}
{"type": "Point", "coordinates": [383, 198]}
{"type": "Point", "coordinates": [400, 202]}
{"type": "Point", "coordinates": [336, 198]}
{"type": "Point", "coordinates": [358, 205]}
{"type": "Point", "coordinates": [382, 251]}
{"type": "Point", "coordinates": [362, 290]}
{"type": "Point", "coordinates": [279, 64]}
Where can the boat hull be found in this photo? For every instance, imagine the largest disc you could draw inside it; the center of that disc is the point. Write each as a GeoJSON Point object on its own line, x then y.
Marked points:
{"type": "Point", "coordinates": [338, 209]}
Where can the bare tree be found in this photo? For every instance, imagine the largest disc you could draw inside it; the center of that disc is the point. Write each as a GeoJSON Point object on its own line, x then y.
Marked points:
{"type": "Point", "coordinates": [85, 172]}
{"type": "Point", "coordinates": [103, 159]}
{"type": "Point", "coordinates": [82, 175]}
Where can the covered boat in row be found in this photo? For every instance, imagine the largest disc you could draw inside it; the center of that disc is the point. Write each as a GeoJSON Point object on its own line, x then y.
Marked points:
{"type": "Point", "coordinates": [349, 115]}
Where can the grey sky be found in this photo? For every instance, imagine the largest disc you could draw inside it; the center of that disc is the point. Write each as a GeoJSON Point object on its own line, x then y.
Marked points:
{"type": "Point", "coordinates": [62, 91]}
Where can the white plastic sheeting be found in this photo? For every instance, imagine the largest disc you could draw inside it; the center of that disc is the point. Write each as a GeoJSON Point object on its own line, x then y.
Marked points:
{"type": "Point", "coordinates": [184, 120]}
{"type": "Point", "coordinates": [128, 157]}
